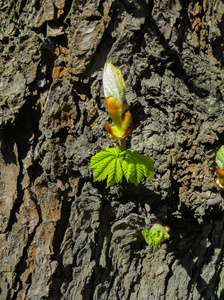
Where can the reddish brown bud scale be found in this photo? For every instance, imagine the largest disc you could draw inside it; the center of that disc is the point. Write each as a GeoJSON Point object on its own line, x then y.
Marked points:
{"type": "Point", "coordinates": [220, 173]}
{"type": "Point", "coordinates": [127, 132]}
{"type": "Point", "coordinates": [108, 128]}
{"type": "Point", "coordinates": [167, 228]}
{"type": "Point", "coordinates": [125, 115]}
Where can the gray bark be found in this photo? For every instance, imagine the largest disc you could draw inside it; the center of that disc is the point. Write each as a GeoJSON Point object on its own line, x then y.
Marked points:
{"type": "Point", "coordinates": [65, 237]}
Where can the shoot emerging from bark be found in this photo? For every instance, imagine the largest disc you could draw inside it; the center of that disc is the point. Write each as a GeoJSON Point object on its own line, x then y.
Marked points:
{"type": "Point", "coordinates": [115, 163]}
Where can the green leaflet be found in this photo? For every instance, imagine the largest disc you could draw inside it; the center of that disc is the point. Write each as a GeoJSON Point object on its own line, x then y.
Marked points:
{"type": "Point", "coordinates": [115, 173]}
{"type": "Point", "coordinates": [114, 163]}
{"type": "Point", "coordinates": [135, 166]}
{"type": "Point", "coordinates": [156, 235]}
{"type": "Point", "coordinates": [107, 163]}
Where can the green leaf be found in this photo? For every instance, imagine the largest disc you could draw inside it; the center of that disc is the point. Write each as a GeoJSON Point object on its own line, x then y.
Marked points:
{"type": "Point", "coordinates": [115, 151]}
{"type": "Point", "coordinates": [107, 164]}
{"type": "Point", "coordinates": [111, 164]}
{"type": "Point", "coordinates": [146, 162]}
{"type": "Point", "coordinates": [99, 157]}
{"type": "Point", "coordinates": [156, 235]}
{"type": "Point", "coordinates": [135, 166]}
{"type": "Point", "coordinates": [103, 168]}
{"type": "Point", "coordinates": [133, 171]}
{"type": "Point", "coordinates": [115, 173]}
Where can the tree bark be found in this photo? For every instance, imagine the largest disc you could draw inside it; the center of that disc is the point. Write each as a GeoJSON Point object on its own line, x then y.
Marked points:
{"type": "Point", "coordinates": [65, 237]}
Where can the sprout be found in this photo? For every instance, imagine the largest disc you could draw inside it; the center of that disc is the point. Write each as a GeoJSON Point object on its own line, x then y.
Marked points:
{"type": "Point", "coordinates": [116, 163]}
{"type": "Point", "coordinates": [156, 235]}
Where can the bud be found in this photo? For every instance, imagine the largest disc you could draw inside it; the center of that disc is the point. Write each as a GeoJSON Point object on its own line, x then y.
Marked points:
{"type": "Point", "coordinates": [113, 83]}
{"type": "Point", "coordinates": [220, 158]}
{"type": "Point", "coordinates": [117, 106]}
{"type": "Point", "coordinates": [220, 169]}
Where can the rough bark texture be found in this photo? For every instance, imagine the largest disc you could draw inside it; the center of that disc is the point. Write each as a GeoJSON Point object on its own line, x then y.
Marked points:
{"type": "Point", "coordinates": [65, 237]}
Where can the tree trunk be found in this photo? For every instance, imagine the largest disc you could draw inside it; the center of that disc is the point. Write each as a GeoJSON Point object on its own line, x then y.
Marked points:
{"type": "Point", "coordinates": [64, 236]}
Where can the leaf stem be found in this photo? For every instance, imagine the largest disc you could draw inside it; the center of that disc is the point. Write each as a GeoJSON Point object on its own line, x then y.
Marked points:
{"type": "Point", "coordinates": [122, 144]}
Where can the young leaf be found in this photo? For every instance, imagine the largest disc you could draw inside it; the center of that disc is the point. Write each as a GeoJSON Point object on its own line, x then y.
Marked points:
{"type": "Point", "coordinates": [110, 164]}
{"type": "Point", "coordinates": [146, 162]}
{"type": "Point", "coordinates": [115, 151]}
{"type": "Point", "coordinates": [103, 168]}
{"type": "Point", "coordinates": [133, 171]}
{"type": "Point", "coordinates": [135, 166]}
{"type": "Point", "coordinates": [107, 164]}
{"type": "Point", "coordinates": [115, 173]}
{"type": "Point", "coordinates": [156, 235]}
